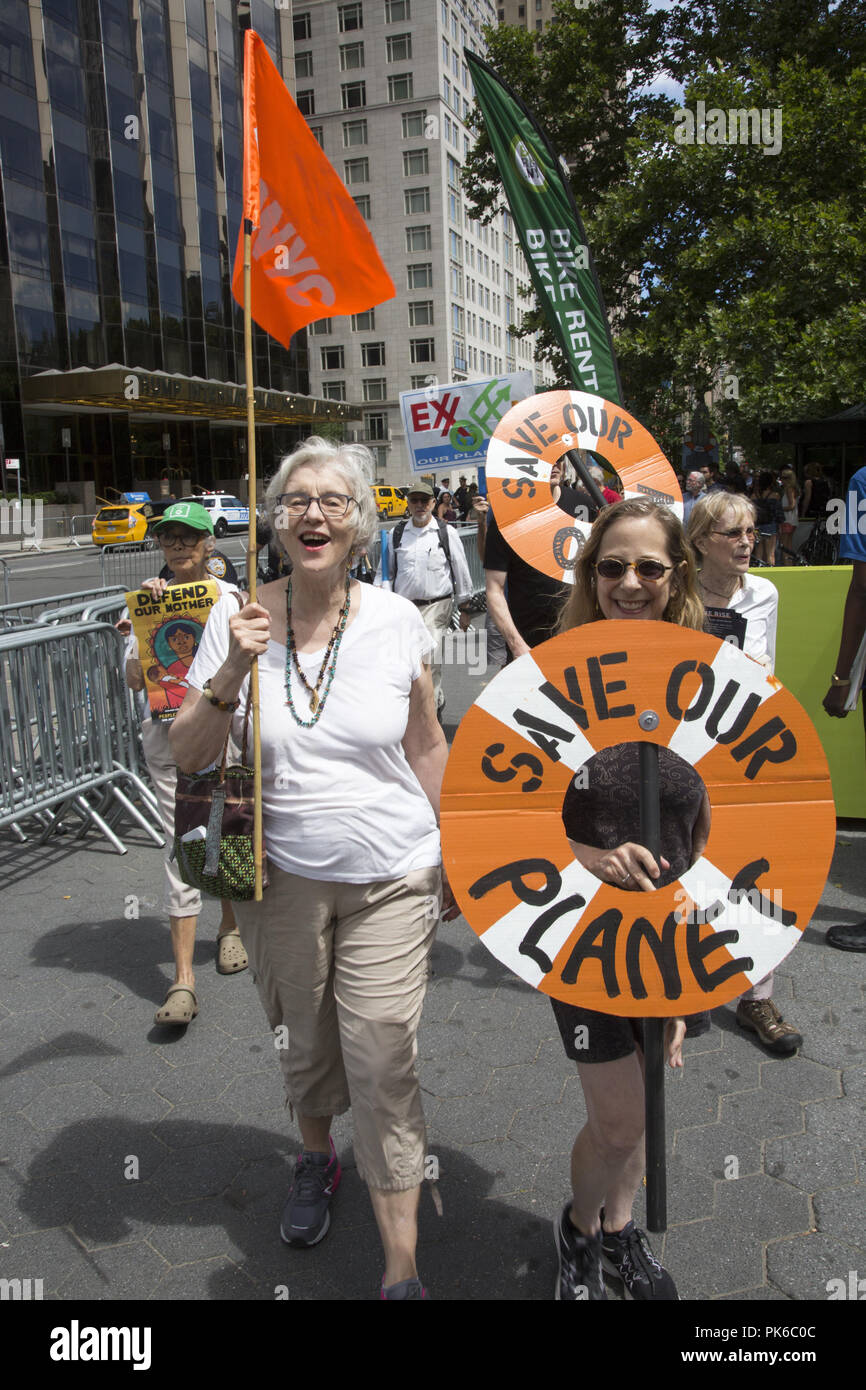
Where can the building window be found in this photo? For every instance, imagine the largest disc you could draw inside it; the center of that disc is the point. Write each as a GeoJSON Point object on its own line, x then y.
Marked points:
{"type": "Point", "coordinates": [422, 350]}
{"type": "Point", "coordinates": [420, 277]}
{"type": "Point", "coordinates": [413, 124]}
{"type": "Point", "coordinates": [456, 280]}
{"type": "Point", "coordinates": [318, 135]}
{"type": "Point", "coordinates": [396, 10]}
{"type": "Point", "coordinates": [303, 65]}
{"type": "Point", "coordinates": [333, 359]}
{"type": "Point", "coordinates": [306, 102]}
{"type": "Point", "coordinates": [354, 133]}
{"type": "Point", "coordinates": [364, 323]}
{"type": "Point", "coordinates": [399, 48]}
{"type": "Point", "coordinates": [456, 244]}
{"type": "Point", "coordinates": [375, 388]}
{"type": "Point", "coordinates": [453, 172]}
{"type": "Point", "coordinates": [415, 162]}
{"type": "Point", "coordinates": [320, 326]}
{"type": "Point", "coordinates": [376, 425]}
{"type": "Point", "coordinates": [416, 200]}
{"type": "Point", "coordinates": [350, 17]}
{"type": "Point", "coordinates": [372, 354]}
{"type": "Point", "coordinates": [356, 170]}
{"type": "Point", "coordinates": [362, 203]}
{"type": "Point", "coordinates": [301, 27]}
{"type": "Point", "coordinates": [354, 94]}
{"type": "Point", "coordinates": [454, 208]}
{"type": "Point", "coordinates": [457, 319]}
{"type": "Point", "coordinates": [334, 390]}
{"type": "Point", "coordinates": [418, 239]}
{"type": "Point", "coordinates": [421, 383]}
{"type": "Point", "coordinates": [351, 56]}
{"type": "Point", "coordinates": [421, 313]}
{"type": "Point", "coordinates": [400, 87]}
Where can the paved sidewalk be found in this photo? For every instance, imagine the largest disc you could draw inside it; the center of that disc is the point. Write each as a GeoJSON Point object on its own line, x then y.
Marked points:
{"type": "Point", "coordinates": [142, 1164]}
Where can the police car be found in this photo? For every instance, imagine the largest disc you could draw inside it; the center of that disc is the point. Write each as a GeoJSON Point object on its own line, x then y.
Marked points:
{"type": "Point", "coordinates": [226, 512]}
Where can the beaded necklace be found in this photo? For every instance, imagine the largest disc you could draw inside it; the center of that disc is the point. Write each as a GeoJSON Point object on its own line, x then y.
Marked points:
{"type": "Point", "coordinates": [317, 703]}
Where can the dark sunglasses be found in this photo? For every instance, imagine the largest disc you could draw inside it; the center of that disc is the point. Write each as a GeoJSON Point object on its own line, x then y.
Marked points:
{"type": "Point", "coordinates": [651, 570]}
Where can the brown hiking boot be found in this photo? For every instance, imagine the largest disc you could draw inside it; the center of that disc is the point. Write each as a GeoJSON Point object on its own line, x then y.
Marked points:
{"type": "Point", "coordinates": [762, 1017]}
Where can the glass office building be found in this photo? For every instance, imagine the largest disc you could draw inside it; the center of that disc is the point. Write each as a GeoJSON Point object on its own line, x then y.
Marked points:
{"type": "Point", "coordinates": [120, 205]}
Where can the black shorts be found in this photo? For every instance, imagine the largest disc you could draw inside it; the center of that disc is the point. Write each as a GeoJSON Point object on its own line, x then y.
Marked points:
{"type": "Point", "coordinates": [607, 1037]}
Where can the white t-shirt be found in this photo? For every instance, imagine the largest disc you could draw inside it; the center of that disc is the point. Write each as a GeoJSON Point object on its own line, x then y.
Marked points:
{"type": "Point", "coordinates": [758, 602]}
{"type": "Point", "coordinates": [340, 801]}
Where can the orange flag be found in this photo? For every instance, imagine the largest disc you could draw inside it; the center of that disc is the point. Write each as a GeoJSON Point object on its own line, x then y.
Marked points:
{"type": "Point", "coordinates": [312, 254]}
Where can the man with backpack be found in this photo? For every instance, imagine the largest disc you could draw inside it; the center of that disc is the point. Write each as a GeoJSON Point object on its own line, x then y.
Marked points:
{"type": "Point", "coordinates": [428, 566]}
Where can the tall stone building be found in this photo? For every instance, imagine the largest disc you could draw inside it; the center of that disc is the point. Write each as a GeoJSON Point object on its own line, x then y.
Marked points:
{"type": "Point", "coordinates": [386, 90]}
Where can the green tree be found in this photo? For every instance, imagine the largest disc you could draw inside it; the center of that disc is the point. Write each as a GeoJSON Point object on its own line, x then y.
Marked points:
{"type": "Point", "coordinates": [723, 265]}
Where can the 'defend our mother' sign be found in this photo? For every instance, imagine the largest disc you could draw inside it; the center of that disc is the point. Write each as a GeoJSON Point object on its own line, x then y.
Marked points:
{"type": "Point", "coordinates": [733, 915]}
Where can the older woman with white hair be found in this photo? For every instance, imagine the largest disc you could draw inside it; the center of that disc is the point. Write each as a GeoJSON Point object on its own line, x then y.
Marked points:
{"type": "Point", "coordinates": [352, 764]}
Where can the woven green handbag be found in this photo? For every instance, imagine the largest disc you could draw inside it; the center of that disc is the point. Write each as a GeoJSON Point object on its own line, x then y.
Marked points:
{"type": "Point", "coordinates": [213, 828]}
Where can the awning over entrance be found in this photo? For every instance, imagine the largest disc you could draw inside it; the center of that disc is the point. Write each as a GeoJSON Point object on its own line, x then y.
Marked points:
{"type": "Point", "coordinates": [848, 427]}
{"type": "Point", "coordinates": [155, 395]}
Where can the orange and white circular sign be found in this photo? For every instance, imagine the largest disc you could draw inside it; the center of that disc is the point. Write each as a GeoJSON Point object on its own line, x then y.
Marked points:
{"type": "Point", "coordinates": [733, 915]}
{"type": "Point", "coordinates": [529, 440]}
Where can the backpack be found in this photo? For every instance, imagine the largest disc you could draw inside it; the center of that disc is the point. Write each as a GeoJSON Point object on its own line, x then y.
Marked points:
{"type": "Point", "coordinates": [397, 536]}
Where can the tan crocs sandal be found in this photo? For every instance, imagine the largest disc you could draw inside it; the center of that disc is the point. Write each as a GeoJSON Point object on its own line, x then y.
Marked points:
{"type": "Point", "coordinates": [231, 956]}
{"type": "Point", "coordinates": [180, 1007]}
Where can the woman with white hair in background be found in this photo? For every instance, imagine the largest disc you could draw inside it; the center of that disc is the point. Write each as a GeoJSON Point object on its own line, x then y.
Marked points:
{"type": "Point", "coordinates": [352, 764]}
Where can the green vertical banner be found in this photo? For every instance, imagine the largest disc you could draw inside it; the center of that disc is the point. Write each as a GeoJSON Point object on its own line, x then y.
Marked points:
{"type": "Point", "coordinates": [551, 234]}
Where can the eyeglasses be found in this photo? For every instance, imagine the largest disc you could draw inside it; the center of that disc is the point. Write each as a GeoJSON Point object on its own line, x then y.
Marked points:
{"type": "Point", "coordinates": [331, 504]}
{"type": "Point", "coordinates": [734, 534]}
{"type": "Point", "coordinates": [651, 570]}
{"type": "Point", "coordinates": [178, 538]}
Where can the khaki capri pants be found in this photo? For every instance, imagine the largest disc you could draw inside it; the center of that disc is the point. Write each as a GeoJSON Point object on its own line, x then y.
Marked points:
{"type": "Point", "coordinates": [343, 967]}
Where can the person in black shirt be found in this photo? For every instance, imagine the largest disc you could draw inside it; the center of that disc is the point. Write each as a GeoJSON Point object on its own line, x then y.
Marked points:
{"type": "Point", "coordinates": [523, 602]}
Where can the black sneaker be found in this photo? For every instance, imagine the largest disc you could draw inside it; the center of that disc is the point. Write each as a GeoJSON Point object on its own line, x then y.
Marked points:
{"type": "Point", "coordinates": [306, 1215]}
{"type": "Point", "coordinates": [580, 1278]}
{"type": "Point", "coordinates": [627, 1254]}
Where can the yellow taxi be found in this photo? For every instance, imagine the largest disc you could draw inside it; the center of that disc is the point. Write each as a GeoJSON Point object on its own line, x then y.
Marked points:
{"type": "Point", "coordinates": [390, 501]}
{"type": "Point", "coordinates": [121, 523]}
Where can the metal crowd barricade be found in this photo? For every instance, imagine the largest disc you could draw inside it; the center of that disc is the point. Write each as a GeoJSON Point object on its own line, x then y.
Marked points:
{"type": "Point", "coordinates": [127, 565]}
{"type": "Point", "coordinates": [68, 733]}
{"type": "Point", "coordinates": [81, 609]}
{"type": "Point", "coordinates": [78, 539]}
{"type": "Point", "coordinates": [51, 528]}
{"type": "Point", "coordinates": [4, 575]}
{"type": "Point", "coordinates": [18, 615]}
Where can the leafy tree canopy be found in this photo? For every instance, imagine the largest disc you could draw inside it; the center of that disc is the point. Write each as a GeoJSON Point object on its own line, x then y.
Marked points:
{"type": "Point", "coordinates": [739, 266]}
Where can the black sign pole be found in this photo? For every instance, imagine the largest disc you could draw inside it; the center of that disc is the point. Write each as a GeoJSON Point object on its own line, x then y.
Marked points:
{"type": "Point", "coordinates": [654, 1080]}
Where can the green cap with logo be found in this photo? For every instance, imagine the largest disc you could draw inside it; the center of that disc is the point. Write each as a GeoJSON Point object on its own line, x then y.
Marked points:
{"type": "Point", "coordinates": [187, 514]}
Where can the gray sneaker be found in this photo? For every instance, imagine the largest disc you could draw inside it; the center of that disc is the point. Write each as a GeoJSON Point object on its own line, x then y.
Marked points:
{"type": "Point", "coordinates": [306, 1215]}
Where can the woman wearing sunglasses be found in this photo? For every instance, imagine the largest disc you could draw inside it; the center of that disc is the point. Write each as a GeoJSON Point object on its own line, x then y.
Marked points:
{"type": "Point", "coordinates": [636, 566]}
{"type": "Point", "coordinates": [744, 608]}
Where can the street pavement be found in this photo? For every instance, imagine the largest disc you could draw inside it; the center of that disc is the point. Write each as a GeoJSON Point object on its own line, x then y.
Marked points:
{"type": "Point", "coordinates": [141, 1163]}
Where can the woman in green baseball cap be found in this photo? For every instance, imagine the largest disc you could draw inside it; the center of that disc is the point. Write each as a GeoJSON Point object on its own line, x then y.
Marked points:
{"type": "Point", "coordinates": [185, 535]}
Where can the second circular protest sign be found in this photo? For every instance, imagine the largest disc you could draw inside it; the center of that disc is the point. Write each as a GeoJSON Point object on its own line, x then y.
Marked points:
{"type": "Point", "coordinates": [733, 915]}
{"type": "Point", "coordinates": [529, 440]}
